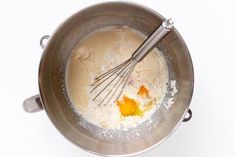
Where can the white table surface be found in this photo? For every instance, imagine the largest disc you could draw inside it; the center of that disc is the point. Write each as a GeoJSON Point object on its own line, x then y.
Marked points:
{"type": "Point", "coordinates": [208, 29]}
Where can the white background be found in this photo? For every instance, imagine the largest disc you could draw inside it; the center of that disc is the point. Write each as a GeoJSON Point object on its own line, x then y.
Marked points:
{"type": "Point", "coordinates": [208, 29]}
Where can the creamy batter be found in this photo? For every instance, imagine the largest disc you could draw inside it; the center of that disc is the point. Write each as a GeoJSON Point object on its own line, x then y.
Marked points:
{"type": "Point", "coordinates": [101, 51]}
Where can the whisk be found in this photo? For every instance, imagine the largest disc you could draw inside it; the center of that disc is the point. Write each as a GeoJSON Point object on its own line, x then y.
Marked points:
{"type": "Point", "coordinates": [111, 84]}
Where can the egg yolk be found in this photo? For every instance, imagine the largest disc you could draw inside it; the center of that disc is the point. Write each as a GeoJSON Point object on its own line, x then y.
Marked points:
{"type": "Point", "coordinates": [143, 91]}
{"type": "Point", "coordinates": [129, 107]}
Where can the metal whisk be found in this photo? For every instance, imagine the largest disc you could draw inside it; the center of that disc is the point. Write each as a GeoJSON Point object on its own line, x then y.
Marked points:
{"type": "Point", "coordinates": [111, 84]}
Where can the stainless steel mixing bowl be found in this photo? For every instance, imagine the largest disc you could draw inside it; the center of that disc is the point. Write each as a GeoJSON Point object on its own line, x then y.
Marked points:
{"type": "Point", "coordinates": [53, 96]}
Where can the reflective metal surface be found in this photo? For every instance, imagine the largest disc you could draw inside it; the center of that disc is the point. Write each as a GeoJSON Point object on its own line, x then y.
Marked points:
{"type": "Point", "coordinates": [52, 75]}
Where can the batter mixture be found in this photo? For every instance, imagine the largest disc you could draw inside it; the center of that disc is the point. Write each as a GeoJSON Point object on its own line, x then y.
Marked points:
{"type": "Point", "coordinates": [101, 51]}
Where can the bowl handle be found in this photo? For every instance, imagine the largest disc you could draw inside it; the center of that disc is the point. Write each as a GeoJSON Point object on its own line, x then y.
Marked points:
{"type": "Point", "coordinates": [33, 104]}
{"type": "Point", "coordinates": [188, 116]}
{"type": "Point", "coordinates": [43, 41]}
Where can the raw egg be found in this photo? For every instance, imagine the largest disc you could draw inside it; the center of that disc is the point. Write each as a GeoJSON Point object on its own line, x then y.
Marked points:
{"type": "Point", "coordinates": [129, 107]}
{"type": "Point", "coordinates": [143, 91]}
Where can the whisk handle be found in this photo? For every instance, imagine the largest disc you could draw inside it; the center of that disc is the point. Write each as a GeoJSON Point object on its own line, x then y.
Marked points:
{"type": "Point", "coordinates": [152, 40]}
